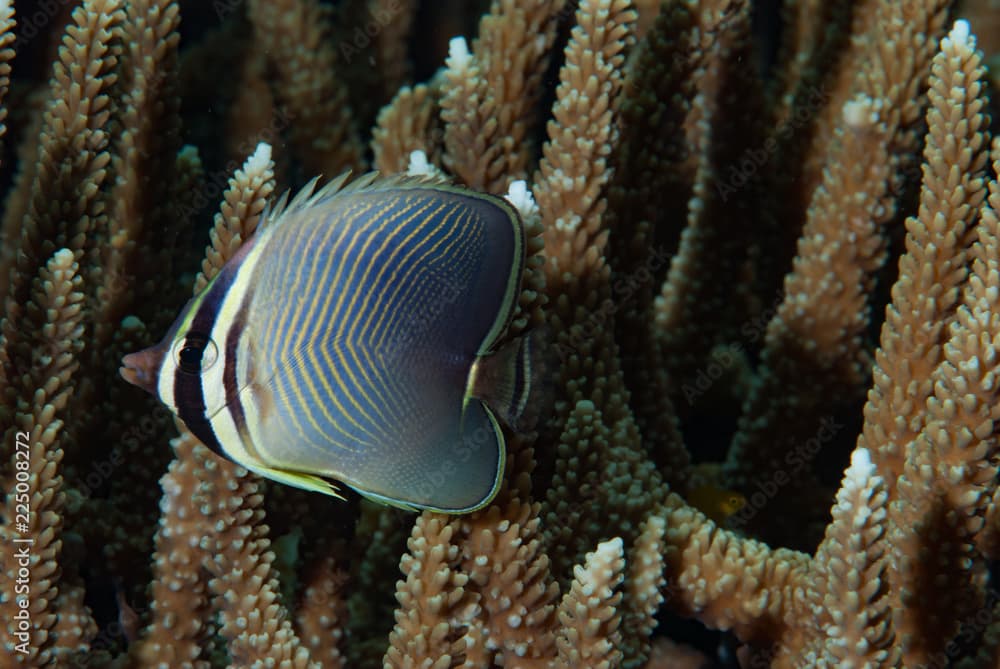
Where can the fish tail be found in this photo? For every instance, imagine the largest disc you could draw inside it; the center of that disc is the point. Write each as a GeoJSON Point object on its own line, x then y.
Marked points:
{"type": "Point", "coordinates": [510, 381]}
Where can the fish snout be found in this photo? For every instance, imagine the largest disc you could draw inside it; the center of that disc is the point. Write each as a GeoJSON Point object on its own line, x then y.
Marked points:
{"type": "Point", "coordinates": [142, 368]}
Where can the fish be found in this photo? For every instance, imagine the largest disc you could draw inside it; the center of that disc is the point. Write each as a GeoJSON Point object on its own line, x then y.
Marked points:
{"type": "Point", "coordinates": [716, 502]}
{"type": "Point", "coordinates": [358, 337]}
{"type": "Point", "coordinates": [128, 619]}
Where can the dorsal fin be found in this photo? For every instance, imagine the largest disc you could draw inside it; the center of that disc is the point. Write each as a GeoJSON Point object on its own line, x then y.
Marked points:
{"type": "Point", "coordinates": [308, 195]}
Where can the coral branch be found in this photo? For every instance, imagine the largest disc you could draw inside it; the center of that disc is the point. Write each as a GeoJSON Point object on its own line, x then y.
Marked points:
{"type": "Point", "coordinates": [433, 595]}
{"type": "Point", "coordinates": [850, 598]}
{"type": "Point", "coordinates": [38, 631]}
{"type": "Point", "coordinates": [487, 106]}
{"type": "Point", "coordinates": [293, 34]}
{"type": "Point", "coordinates": [242, 205]}
{"type": "Point", "coordinates": [407, 124]}
{"type": "Point", "coordinates": [588, 612]}
{"type": "Point", "coordinates": [7, 24]}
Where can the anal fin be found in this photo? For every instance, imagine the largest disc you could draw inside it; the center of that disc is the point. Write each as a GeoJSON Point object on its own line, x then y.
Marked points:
{"type": "Point", "coordinates": [309, 482]}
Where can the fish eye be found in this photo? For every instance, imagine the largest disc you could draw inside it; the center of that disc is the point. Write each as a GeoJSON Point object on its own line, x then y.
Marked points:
{"type": "Point", "coordinates": [195, 353]}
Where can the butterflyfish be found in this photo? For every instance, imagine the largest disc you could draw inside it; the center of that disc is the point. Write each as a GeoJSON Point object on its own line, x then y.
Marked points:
{"type": "Point", "coordinates": [355, 338]}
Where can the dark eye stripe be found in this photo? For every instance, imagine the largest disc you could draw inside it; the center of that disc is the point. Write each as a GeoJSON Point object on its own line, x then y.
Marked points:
{"type": "Point", "coordinates": [192, 352]}
{"type": "Point", "coordinates": [189, 395]}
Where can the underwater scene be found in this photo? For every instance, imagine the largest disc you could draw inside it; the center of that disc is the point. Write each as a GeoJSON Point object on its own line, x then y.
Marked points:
{"type": "Point", "coordinates": [655, 334]}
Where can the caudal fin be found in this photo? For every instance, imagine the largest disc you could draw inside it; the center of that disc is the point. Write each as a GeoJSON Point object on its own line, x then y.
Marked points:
{"type": "Point", "coordinates": [511, 381]}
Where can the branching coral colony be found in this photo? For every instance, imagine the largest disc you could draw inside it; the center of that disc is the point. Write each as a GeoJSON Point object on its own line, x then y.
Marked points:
{"type": "Point", "coordinates": [711, 248]}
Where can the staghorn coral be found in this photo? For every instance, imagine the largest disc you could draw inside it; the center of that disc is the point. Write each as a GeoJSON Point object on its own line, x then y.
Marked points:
{"type": "Point", "coordinates": [322, 125]}
{"type": "Point", "coordinates": [646, 131]}
{"type": "Point", "coordinates": [6, 54]}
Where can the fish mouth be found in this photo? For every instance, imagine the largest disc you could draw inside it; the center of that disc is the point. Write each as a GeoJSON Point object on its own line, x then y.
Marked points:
{"type": "Point", "coordinates": [142, 368]}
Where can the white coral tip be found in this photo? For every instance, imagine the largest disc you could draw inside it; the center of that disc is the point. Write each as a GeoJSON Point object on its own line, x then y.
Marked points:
{"type": "Point", "coordinates": [458, 54]}
{"type": "Point", "coordinates": [418, 165]}
{"type": "Point", "coordinates": [63, 257]}
{"type": "Point", "coordinates": [260, 159]}
{"type": "Point", "coordinates": [959, 35]}
{"type": "Point", "coordinates": [860, 112]}
{"type": "Point", "coordinates": [522, 199]}
{"type": "Point", "coordinates": [861, 468]}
